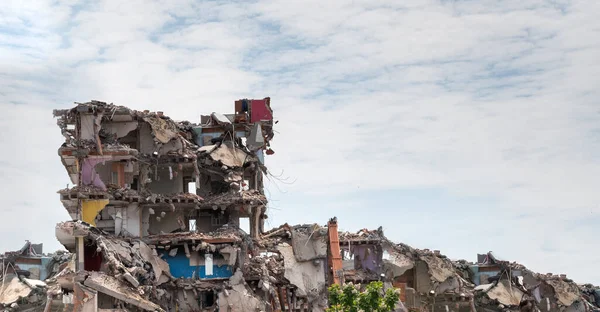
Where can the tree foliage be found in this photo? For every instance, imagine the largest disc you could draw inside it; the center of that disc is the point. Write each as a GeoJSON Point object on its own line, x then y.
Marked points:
{"type": "Point", "coordinates": [372, 299]}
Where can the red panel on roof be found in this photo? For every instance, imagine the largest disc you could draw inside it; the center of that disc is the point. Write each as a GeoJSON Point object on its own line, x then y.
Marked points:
{"type": "Point", "coordinates": [260, 111]}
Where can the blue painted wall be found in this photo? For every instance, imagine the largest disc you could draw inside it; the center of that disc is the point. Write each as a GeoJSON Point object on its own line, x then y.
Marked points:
{"type": "Point", "coordinates": [477, 274]}
{"type": "Point", "coordinates": [42, 267]}
{"type": "Point", "coordinates": [180, 267]}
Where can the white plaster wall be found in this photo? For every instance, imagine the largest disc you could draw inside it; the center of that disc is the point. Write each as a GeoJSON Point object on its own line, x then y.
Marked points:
{"type": "Point", "coordinates": [146, 139]}
{"type": "Point", "coordinates": [133, 220]}
{"type": "Point", "coordinates": [87, 127]}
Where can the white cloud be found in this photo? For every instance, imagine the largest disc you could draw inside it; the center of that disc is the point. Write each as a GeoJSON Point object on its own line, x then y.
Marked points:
{"type": "Point", "coordinates": [489, 99]}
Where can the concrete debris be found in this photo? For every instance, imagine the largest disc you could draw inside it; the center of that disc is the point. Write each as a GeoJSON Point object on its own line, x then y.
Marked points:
{"type": "Point", "coordinates": [114, 288]}
{"type": "Point", "coordinates": [239, 298]}
{"type": "Point", "coordinates": [505, 294]}
{"type": "Point", "coordinates": [156, 208]}
{"type": "Point", "coordinates": [14, 290]}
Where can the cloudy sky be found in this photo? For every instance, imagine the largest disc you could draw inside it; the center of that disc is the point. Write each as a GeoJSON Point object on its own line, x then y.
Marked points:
{"type": "Point", "coordinates": [465, 126]}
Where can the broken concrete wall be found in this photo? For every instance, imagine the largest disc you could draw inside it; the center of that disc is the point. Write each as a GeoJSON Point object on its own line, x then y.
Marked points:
{"type": "Point", "coordinates": [309, 242]}
{"type": "Point", "coordinates": [422, 280]}
{"type": "Point", "coordinates": [146, 140]}
{"type": "Point", "coordinates": [308, 276]}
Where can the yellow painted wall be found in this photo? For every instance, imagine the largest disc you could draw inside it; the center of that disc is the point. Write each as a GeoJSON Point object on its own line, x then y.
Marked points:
{"type": "Point", "coordinates": [90, 209]}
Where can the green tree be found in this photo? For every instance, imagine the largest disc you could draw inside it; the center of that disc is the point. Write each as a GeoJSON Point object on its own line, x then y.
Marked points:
{"type": "Point", "coordinates": [372, 299]}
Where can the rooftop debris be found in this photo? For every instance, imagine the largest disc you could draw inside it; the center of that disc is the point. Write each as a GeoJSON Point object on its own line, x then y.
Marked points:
{"type": "Point", "coordinates": [155, 212]}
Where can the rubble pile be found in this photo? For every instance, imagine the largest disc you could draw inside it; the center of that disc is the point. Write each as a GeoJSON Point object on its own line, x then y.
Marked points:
{"type": "Point", "coordinates": [429, 280]}
{"type": "Point", "coordinates": [156, 208]}
{"type": "Point", "coordinates": [22, 275]}
{"type": "Point", "coordinates": [285, 267]}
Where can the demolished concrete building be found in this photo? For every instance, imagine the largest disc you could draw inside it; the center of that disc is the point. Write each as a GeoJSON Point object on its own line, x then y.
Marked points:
{"type": "Point", "coordinates": [152, 197]}
{"type": "Point", "coordinates": [156, 209]}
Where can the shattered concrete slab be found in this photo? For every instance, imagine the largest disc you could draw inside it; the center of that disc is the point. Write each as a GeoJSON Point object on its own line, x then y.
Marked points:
{"type": "Point", "coordinates": [440, 269]}
{"type": "Point", "coordinates": [226, 154]}
{"type": "Point", "coordinates": [13, 290]}
{"type": "Point", "coordinates": [117, 289]}
{"type": "Point", "coordinates": [505, 293]}
{"type": "Point", "coordinates": [163, 130]}
{"type": "Point", "coordinates": [566, 293]}
{"type": "Point", "coordinates": [238, 298]}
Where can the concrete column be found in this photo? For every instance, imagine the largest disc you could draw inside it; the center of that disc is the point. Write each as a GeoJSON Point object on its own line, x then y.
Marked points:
{"type": "Point", "coordinates": [79, 250]}
{"type": "Point", "coordinates": [255, 218]}
{"type": "Point", "coordinates": [288, 295]}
